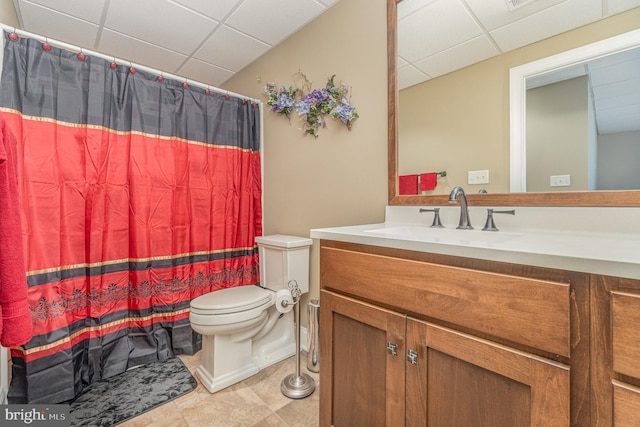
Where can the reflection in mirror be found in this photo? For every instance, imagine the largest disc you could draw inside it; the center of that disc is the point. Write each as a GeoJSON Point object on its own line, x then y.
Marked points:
{"type": "Point", "coordinates": [579, 124]}
{"type": "Point", "coordinates": [473, 106]}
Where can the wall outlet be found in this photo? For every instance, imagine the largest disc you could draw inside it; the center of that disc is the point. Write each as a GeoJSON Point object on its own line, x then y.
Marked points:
{"type": "Point", "coordinates": [560, 181]}
{"type": "Point", "coordinates": [478, 177]}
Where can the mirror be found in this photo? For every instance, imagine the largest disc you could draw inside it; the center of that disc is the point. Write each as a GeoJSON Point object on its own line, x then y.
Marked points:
{"type": "Point", "coordinates": [600, 85]}
{"type": "Point", "coordinates": [573, 198]}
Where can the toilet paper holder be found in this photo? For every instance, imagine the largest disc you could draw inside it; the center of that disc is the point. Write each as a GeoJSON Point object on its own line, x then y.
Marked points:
{"type": "Point", "coordinates": [296, 293]}
{"type": "Point", "coordinates": [297, 385]}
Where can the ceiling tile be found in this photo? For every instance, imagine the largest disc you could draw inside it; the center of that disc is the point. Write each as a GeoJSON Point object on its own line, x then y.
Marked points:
{"type": "Point", "coordinates": [290, 15]}
{"type": "Point", "coordinates": [230, 49]}
{"type": "Point", "coordinates": [171, 26]}
{"type": "Point", "coordinates": [623, 119]}
{"type": "Point", "coordinates": [407, 7]}
{"type": "Point", "coordinates": [420, 34]}
{"type": "Point", "coordinates": [618, 90]}
{"type": "Point", "coordinates": [409, 76]}
{"type": "Point", "coordinates": [217, 9]}
{"type": "Point", "coordinates": [58, 26]}
{"type": "Point", "coordinates": [495, 13]}
{"type": "Point", "coordinates": [88, 10]}
{"type": "Point", "coordinates": [555, 20]}
{"type": "Point", "coordinates": [460, 56]}
{"type": "Point", "coordinates": [617, 6]}
{"type": "Point", "coordinates": [205, 73]}
{"type": "Point", "coordinates": [621, 72]}
{"type": "Point", "coordinates": [139, 52]}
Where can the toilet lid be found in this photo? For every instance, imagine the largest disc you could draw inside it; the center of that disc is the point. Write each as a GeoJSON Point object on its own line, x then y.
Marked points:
{"type": "Point", "coordinates": [231, 300]}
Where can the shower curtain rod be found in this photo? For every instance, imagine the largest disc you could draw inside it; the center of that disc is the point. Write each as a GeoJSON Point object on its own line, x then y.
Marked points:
{"type": "Point", "coordinates": [79, 49]}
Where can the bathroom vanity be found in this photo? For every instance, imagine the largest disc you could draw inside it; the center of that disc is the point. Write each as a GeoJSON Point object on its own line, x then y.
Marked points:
{"type": "Point", "coordinates": [423, 330]}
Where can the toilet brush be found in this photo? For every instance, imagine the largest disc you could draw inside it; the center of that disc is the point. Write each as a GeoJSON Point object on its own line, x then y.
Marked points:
{"type": "Point", "coordinates": [297, 385]}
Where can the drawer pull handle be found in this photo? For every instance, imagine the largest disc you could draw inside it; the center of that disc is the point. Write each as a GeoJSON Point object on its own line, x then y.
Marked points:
{"type": "Point", "coordinates": [392, 348]}
{"type": "Point", "coordinates": [412, 356]}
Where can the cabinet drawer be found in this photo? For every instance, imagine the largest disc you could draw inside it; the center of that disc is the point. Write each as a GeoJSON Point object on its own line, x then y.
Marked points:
{"type": "Point", "coordinates": [534, 313]}
{"type": "Point", "coordinates": [626, 333]}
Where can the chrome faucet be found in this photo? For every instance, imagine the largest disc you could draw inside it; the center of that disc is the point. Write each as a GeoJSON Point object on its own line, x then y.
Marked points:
{"type": "Point", "coordinates": [458, 193]}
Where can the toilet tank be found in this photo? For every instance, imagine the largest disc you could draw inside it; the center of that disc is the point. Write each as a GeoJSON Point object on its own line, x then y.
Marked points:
{"type": "Point", "coordinates": [284, 258]}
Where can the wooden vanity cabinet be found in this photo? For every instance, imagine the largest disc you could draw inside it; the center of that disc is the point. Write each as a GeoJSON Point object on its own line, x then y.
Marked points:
{"type": "Point", "coordinates": [455, 379]}
{"type": "Point", "coordinates": [417, 339]}
{"type": "Point", "coordinates": [615, 371]}
{"type": "Point", "coordinates": [366, 344]}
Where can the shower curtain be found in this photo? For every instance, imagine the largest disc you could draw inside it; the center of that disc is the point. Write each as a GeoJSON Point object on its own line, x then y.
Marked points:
{"type": "Point", "coordinates": [137, 194]}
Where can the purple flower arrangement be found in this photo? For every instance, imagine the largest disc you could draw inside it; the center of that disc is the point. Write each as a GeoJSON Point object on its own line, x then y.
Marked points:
{"type": "Point", "coordinates": [312, 107]}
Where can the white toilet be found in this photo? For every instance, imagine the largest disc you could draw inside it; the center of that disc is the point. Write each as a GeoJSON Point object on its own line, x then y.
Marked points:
{"type": "Point", "coordinates": [242, 332]}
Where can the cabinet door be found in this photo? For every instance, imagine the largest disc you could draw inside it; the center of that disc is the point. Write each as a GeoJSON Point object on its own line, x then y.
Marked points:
{"type": "Point", "coordinates": [615, 371]}
{"type": "Point", "coordinates": [455, 379]}
{"type": "Point", "coordinates": [615, 306]}
{"type": "Point", "coordinates": [362, 353]}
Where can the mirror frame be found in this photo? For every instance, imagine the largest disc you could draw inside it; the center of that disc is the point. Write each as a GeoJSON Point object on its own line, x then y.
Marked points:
{"type": "Point", "coordinates": [622, 198]}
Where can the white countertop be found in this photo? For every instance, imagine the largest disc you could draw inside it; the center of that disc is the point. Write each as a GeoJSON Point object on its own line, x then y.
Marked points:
{"type": "Point", "coordinates": [612, 252]}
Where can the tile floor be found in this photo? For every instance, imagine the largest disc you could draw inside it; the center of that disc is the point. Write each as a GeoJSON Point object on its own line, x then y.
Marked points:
{"type": "Point", "coordinates": [255, 402]}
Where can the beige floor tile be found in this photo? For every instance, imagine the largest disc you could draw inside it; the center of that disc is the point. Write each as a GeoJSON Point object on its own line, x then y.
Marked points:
{"type": "Point", "coordinates": [303, 412]}
{"type": "Point", "coordinates": [234, 406]}
{"type": "Point", "coordinates": [162, 416]}
{"type": "Point", "coordinates": [191, 361]}
{"type": "Point", "coordinates": [254, 402]}
{"type": "Point", "coordinates": [271, 421]}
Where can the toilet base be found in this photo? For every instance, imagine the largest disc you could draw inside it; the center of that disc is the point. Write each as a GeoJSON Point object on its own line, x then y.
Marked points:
{"type": "Point", "coordinates": [224, 362]}
{"type": "Point", "coordinates": [223, 381]}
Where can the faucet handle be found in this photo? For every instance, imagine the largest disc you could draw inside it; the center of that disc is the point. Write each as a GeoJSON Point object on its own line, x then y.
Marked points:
{"type": "Point", "coordinates": [490, 225]}
{"type": "Point", "coordinates": [436, 217]}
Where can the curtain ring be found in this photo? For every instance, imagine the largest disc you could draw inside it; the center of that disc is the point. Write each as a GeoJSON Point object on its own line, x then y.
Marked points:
{"type": "Point", "coordinates": [207, 91]}
{"type": "Point", "coordinates": [160, 77]}
{"type": "Point", "coordinates": [114, 65]}
{"type": "Point", "coordinates": [81, 56]}
{"type": "Point", "coordinates": [13, 36]}
{"type": "Point", "coordinates": [132, 69]}
{"type": "Point", "coordinates": [46, 46]}
{"type": "Point", "coordinates": [226, 96]}
{"type": "Point", "coordinates": [185, 84]}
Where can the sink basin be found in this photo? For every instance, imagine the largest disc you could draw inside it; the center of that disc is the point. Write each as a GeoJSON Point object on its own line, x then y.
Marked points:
{"type": "Point", "coordinates": [444, 235]}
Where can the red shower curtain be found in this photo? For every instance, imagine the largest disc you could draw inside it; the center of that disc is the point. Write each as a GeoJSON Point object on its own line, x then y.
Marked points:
{"type": "Point", "coordinates": [136, 196]}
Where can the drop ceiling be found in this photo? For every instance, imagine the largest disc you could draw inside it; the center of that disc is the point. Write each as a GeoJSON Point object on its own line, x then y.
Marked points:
{"type": "Point", "coordinates": [208, 41]}
{"type": "Point", "coordinates": [436, 37]}
{"type": "Point", "coordinates": [211, 40]}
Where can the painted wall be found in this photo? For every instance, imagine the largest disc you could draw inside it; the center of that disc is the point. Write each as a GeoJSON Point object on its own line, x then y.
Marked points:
{"type": "Point", "coordinates": [557, 134]}
{"type": "Point", "coordinates": [618, 156]}
{"type": "Point", "coordinates": [8, 13]}
{"type": "Point", "coordinates": [465, 114]}
{"type": "Point", "coordinates": [340, 178]}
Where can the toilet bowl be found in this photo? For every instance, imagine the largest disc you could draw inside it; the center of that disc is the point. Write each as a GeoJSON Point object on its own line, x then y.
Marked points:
{"type": "Point", "coordinates": [242, 332]}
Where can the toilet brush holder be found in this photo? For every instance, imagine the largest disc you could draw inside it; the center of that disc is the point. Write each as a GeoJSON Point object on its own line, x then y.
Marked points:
{"type": "Point", "coordinates": [297, 385]}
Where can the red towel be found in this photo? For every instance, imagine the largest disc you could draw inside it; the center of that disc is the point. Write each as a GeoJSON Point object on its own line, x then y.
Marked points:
{"type": "Point", "coordinates": [428, 181]}
{"type": "Point", "coordinates": [408, 184]}
{"type": "Point", "coordinates": [15, 320]}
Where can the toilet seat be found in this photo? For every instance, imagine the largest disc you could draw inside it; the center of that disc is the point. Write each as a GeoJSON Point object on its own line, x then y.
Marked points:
{"type": "Point", "coordinates": [231, 305]}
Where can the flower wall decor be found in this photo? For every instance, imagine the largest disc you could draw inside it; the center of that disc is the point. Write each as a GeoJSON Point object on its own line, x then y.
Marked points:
{"type": "Point", "coordinates": [312, 105]}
